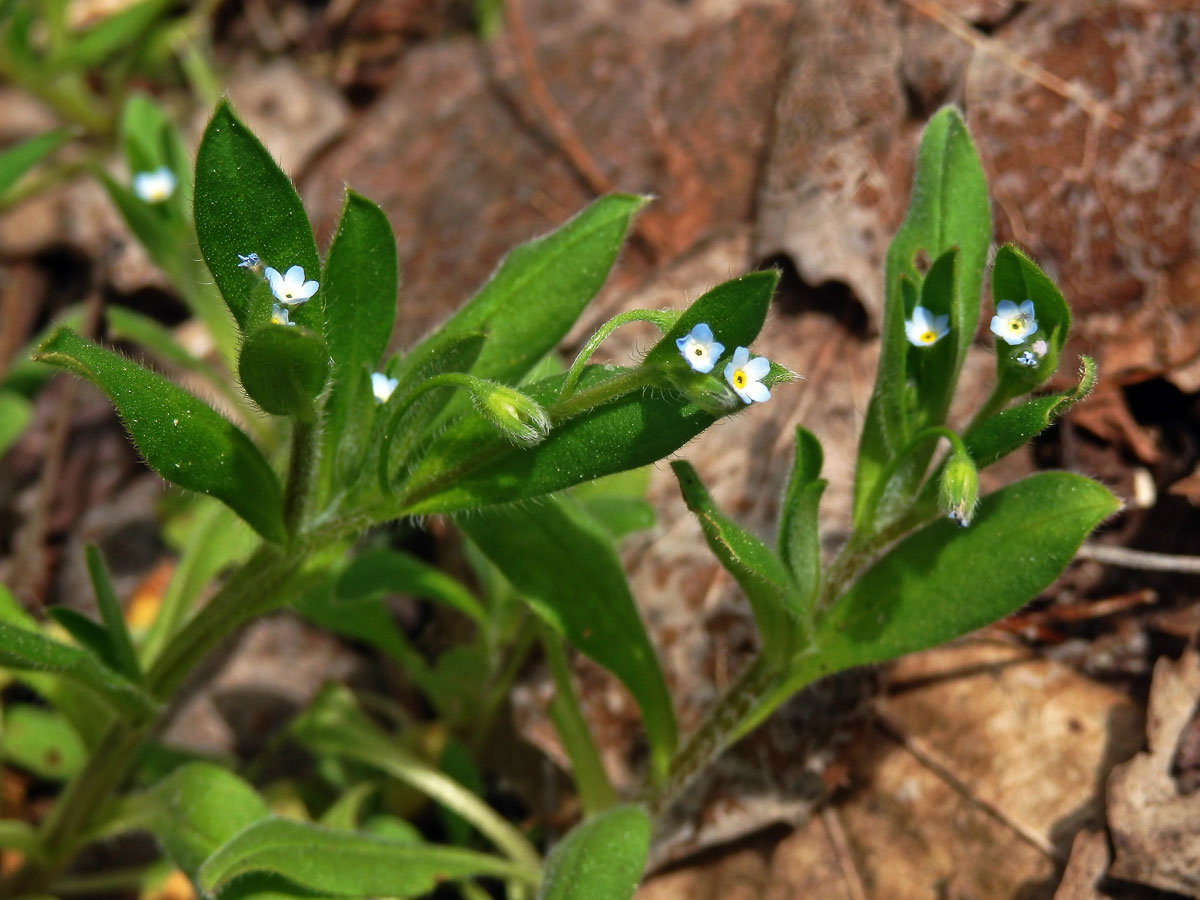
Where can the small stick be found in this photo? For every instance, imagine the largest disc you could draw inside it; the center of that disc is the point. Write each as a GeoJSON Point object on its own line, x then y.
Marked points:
{"type": "Point", "coordinates": [1140, 559]}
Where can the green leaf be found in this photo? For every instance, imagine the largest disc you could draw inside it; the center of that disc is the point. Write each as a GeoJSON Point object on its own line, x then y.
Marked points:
{"type": "Point", "coordinates": [19, 159]}
{"type": "Point", "coordinates": [181, 437]}
{"type": "Point", "coordinates": [18, 835]}
{"type": "Point", "coordinates": [24, 649]}
{"type": "Point", "coordinates": [634, 431]}
{"type": "Point", "coordinates": [618, 501]}
{"type": "Point", "coordinates": [734, 310]}
{"type": "Point", "coordinates": [948, 209]}
{"type": "Point", "coordinates": [757, 570]}
{"type": "Point", "coordinates": [113, 616]}
{"type": "Point", "coordinates": [334, 726]}
{"type": "Point", "coordinates": [197, 809]}
{"type": "Point", "coordinates": [1017, 278]}
{"type": "Point", "coordinates": [600, 859]}
{"type": "Point", "coordinates": [933, 370]}
{"type": "Point", "coordinates": [15, 413]}
{"type": "Point", "coordinates": [284, 369]}
{"type": "Point", "coordinates": [118, 32]}
{"type": "Point", "coordinates": [150, 140]}
{"type": "Point", "coordinates": [360, 281]}
{"type": "Point", "coordinates": [342, 863]}
{"type": "Point", "coordinates": [565, 567]}
{"type": "Point", "coordinates": [799, 533]}
{"type": "Point", "coordinates": [541, 287]}
{"type": "Point", "coordinates": [41, 741]}
{"type": "Point", "coordinates": [944, 581]}
{"type": "Point", "coordinates": [246, 204]}
{"type": "Point", "coordinates": [163, 237]}
{"type": "Point", "coordinates": [380, 572]}
{"type": "Point", "coordinates": [346, 811]}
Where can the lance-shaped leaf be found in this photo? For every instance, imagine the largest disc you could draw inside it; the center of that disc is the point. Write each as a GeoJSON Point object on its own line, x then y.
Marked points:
{"type": "Point", "coordinates": [1015, 277]}
{"type": "Point", "coordinates": [151, 141]}
{"type": "Point", "coordinates": [194, 811]}
{"type": "Point", "coordinates": [799, 534]}
{"type": "Point", "coordinates": [283, 369]}
{"type": "Point", "coordinates": [541, 287]}
{"type": "Point", "coordinates": [599, 859]}
{"type": "Point", "coordinates": [943, 581]}
{"type": "Point", "coordinates": [757, 570]}
{"type": "Point", "coordinates": [119, 31]}
{"type": "Point", "coordinates": [734, 310]}
{"type": "Point", "coordinates": [470, 466]}
{"type": "Point", "coordinates": [344, 863]}
{"type": "Point", "coordinates": [564, 565]}
{"type": "Point", "coordinates": [948, 209]}
{"type": "Point", "coordinates": [246, 204]}
{"type": "Point", "coordinates": [124, 657]}
{"type": "Point", "coordinates": [24, 649]}
{"type": "Point", "coordinates": [180, 436]}
{"type": "Point", "coordinates": [17, 160]}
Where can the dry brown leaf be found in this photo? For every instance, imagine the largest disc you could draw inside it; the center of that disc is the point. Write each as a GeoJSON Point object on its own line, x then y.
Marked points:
{"type": "Point", "coordinates": [1156, 829]}
{"type": "Point", "coordinates": [1089, 859]}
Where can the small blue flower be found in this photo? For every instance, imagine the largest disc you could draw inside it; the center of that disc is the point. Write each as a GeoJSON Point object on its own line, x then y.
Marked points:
{"type": "Point", "coordinates": [290, 288]}
{"type": "Point", "coordinates": [699, 348]}
{"type": "Point", "coordinates": [1014, 324]}
{"type": "Point", "coordinates": [279, 315]}
{"type": "Point", "coordinates": [249, 261]}
{"type": "Point", "coordinates": [745, 376]}
{"type": "Point", "coordinates": [925, 329]}
{"type": "Point", "coordinates": [1027, 358]}
{"type": "Point", "coordinates": [382, 386]}
{"type": "Point", "coordinates": [155, 186]}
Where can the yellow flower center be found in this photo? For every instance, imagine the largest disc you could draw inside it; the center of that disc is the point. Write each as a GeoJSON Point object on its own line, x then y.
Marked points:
{"type": "Point", "coordinates": [739, 379]}
{"type": "Point", "coordinates": [928, 337]}
{"type": "Point", "coordinates": [1016, 325]}
{"type": "Point", "coordinates": [698, 350]}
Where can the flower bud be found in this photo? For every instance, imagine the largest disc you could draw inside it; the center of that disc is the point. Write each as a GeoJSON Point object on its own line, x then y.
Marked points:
{"type": "Point", "coordinates": [518, 416]}
{"type": "Point", "coordinates": [959, 488]}
{"type": "Point", "coordinates": [708, 392]}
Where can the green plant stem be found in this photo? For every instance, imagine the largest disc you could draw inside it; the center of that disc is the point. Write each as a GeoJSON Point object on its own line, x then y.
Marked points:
{"type": "Point", "coordinates": [600, 394]}
{"type": "Point", "coordinates": [300, 474]}
{"type": "Point", "coordinates": [716, 733]}
{"type": "Point", "coordinates": [595, 790]}
{"type": "Point", "coordinates": [663, 320]}
{"type": "Point", "coordinates": [502, 683]}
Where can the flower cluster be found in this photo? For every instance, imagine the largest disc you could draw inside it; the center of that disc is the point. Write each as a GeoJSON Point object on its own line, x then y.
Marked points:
{"type": "Point", "coordinates": [1016, 324]}
{"type": "Point", "coordinates": [744, 374]}
{"type": "Point", "coordinates": [290, 288]}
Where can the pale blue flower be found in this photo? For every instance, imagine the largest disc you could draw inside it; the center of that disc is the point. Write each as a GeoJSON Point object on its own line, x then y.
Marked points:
{"type": "Point", "coordinates": [745, 376]}
{"type": "Point", "coordinates": [1027, 358]}
{"type": "Point", "coordinates": [249, 261]}
{"type": "Point", "coordinates": [279, 315]}
{"type": "Point", "coordinates": [925, 329]}
{"type": "Point", "coordinates": [1014, 324]}
{"type": "Point", "coordinates": [699, 348]}
{"type": "Point", "coordinates": [382, 386]}
{"type": "Point", "coordinates": [290, 288]}
{"type": "Point", "coordinates": [155, 186]}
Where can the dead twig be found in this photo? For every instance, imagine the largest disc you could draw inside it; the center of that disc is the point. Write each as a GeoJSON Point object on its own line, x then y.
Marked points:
{"type": "Point", "coordinates": [1140, 559]}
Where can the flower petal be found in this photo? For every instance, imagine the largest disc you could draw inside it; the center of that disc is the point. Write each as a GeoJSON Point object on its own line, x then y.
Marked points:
{"type": "Point", "coordinates": [1006, 309]}
{"type": "Point", "coordinates": [274, 279]}
{"type": "Point", "coordinates": [308, 289]}
{"type": "Point", "coordinates": [716, 349]}
{"type": "Point", "coordinates": [757, 391]}
{"type": "Point", "coordinates": [294, 275]}
{"type": "Point", "coordinates": [740, 356]}
{"type": "Point", "coordinates": [702, 333]}
{"type": "Point", "coordinates": [757, 368]}
{"type": "Point", "coordinates": [1027, 309]}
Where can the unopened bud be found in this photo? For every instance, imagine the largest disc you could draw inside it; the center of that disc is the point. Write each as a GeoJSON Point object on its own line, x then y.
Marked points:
{"type": "Point", "coordinates": [959, 489]}
{"type": "Point", "coordinates": [708, 392]}
{"type": "Point", "coordinates": [516, 415]}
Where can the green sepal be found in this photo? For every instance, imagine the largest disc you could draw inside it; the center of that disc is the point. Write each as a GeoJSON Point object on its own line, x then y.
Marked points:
{"type": "Point", "coordinates": [181, 437]}
{"type": "Point", "coordinates": [246, 204]}
{"type": "Point", "coordinates": [758, 571]}
{"type": "Point", "coordinates": [734, 310]}
{"type": "Point", "coordinates": [563, 564]}
{"type": "Point", "coordinates": [1017, 278]}
{"type": "Point", "coordinates": [799, 542]}
{"type": "Point", "coordinates": [600, 859]}
{"type": "Point", "coordinates": [283, 369]}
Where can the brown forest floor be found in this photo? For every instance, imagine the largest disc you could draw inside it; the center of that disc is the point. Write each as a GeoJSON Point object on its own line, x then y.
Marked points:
{"type": "Point", "coordinates": [776, 133]}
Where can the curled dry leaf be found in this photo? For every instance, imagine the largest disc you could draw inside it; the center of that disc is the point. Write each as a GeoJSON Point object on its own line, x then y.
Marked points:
{"type": "Point", "coordinates": [1155, 827]}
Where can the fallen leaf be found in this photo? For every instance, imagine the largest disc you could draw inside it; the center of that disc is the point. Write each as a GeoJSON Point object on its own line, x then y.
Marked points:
{"type": "Point", "coordinates": [1089, 859]}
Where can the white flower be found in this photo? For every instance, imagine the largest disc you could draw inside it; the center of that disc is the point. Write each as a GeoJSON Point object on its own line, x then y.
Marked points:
{"type": "Point", "coordinates": [699, 348]}
{"type": "Point", "coordinates": [279, 315]}
{"type": "Point", "coordinates": [1014, 324]}
{"type": "Point", "coordinates": [925, 329]}
{"type": "Point", "coordinates": [290, 288]}
{"type": "Point", "coordinates": [156, 186]}
{"type": "Point", "coordinates": [382, 386]}
{"type": "Point", "coordinates": [745, 376]}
